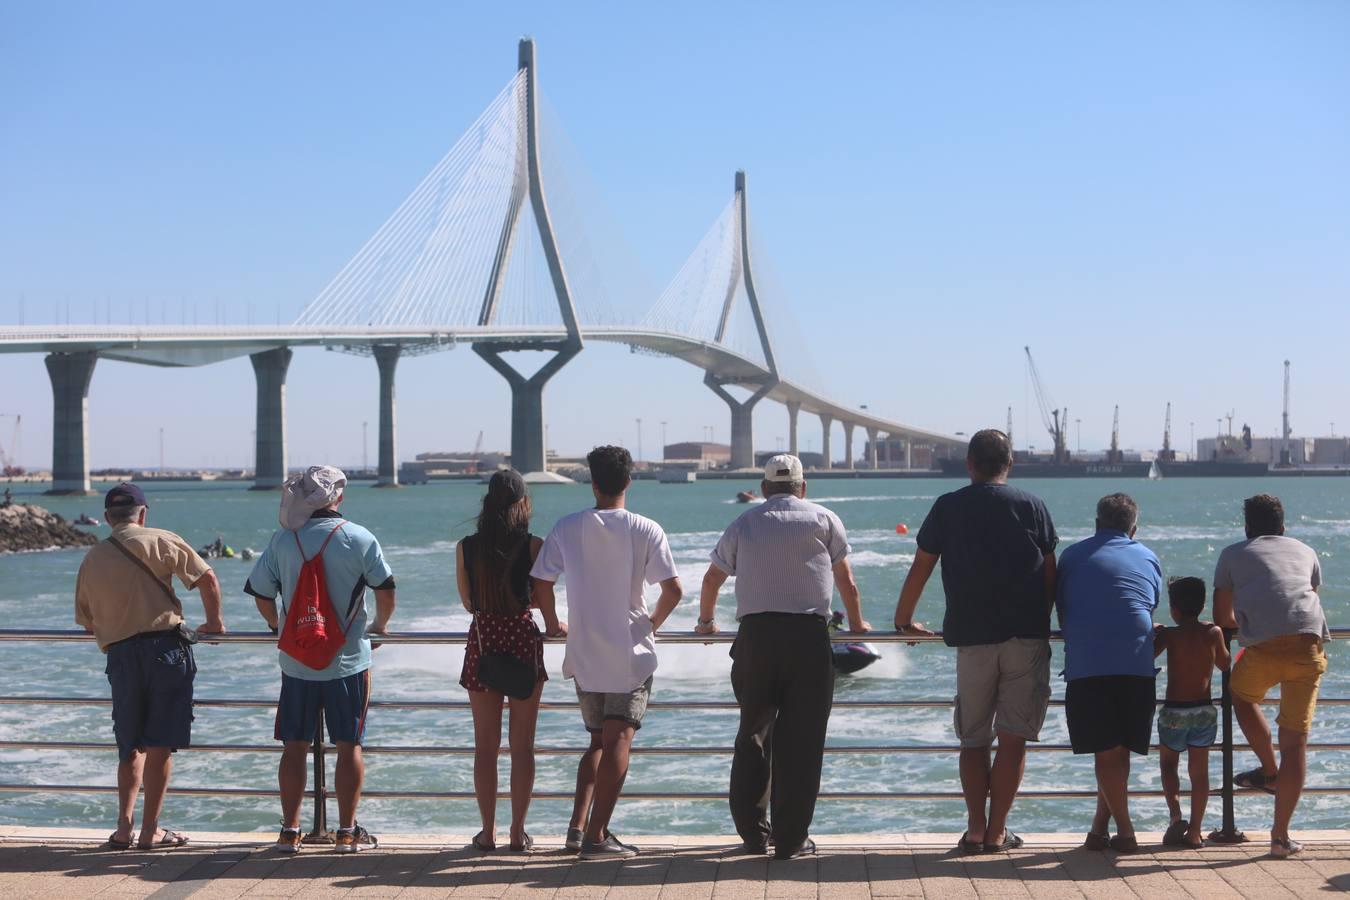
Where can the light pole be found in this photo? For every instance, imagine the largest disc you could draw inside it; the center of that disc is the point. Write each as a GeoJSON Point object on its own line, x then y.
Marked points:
{"type": "Point", "coordinates": [663, 438]}
{"type": "Point", "coordinates": [639, 427]}
{"type": "Point", "coordinates": [1193, 448]}
{"type": "Point", "coordinates": [365, 458]}
{"type": "Point", "coordinates": [1078, 427]}
{"type": "Point", "coordinates": [161, 451]}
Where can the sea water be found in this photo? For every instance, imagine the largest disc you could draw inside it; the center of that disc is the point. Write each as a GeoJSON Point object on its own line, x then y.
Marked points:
{"type": "Point", "coordinates": [1186, 522]}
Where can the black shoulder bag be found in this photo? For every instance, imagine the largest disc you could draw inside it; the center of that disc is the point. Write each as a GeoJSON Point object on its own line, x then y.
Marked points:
{"type": "Point", "coordinates": [502, 672]}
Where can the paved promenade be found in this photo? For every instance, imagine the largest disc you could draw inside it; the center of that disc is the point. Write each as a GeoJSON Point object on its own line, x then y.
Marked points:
{"type": "Point", "coordinates": [216, 867]}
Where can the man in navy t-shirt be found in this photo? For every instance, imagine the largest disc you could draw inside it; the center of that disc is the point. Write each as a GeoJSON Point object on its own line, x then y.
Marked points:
{"type": "Point", "coordinates": [1108, 587]}
{"type": "Point", "coordinates": [997, 546]}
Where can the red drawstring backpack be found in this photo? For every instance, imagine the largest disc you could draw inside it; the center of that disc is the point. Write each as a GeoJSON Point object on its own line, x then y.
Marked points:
{"type": "Point", "coordinates": [312, 634]}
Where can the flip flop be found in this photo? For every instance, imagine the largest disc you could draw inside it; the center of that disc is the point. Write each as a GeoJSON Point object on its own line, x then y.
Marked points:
{"type": "Point", "coordinates": [168, 841]}
{"type": "Point", "coordinates": [967, 847]}
{"type": "Point", "coordinates": [524, 846]}
{"type": "Point", "coordinates": [482, 846]}
{"type": "Point", "coordinates": [1255, 779]}
{"type": "Point", "coordinates": [1011, 841]}
{"type": "Point", "coordinates": [115, 844]}
{"type": "Point", "coordinates": [1175, 836]}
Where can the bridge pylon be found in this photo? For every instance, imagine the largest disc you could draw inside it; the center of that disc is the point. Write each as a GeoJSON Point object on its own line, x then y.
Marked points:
{"type": "Point", "coordinates": [742, 411]}
{"type": "Point", "coordinates": [527, 393]}
{"type": "Point", "coordinates": [70, 374]}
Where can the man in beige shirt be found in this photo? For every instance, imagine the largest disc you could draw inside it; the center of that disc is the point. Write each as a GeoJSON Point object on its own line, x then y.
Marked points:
{"type": "Point", "coordinates": [124, 596]}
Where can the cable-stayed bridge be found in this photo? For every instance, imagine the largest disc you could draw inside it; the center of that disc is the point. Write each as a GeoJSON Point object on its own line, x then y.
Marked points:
{"type": "Point", "coordinates": [477, 255]}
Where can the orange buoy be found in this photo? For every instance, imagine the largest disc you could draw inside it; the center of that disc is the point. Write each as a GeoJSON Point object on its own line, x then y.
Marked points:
{"type": "Point", "coordinates": [902, 528]}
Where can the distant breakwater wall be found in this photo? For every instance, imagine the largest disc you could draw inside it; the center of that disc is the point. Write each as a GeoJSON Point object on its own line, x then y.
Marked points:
{"type": "Point", "coordinates": [34, 528]}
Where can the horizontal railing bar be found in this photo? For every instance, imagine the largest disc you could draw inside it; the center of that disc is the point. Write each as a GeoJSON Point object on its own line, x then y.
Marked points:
{"type": "Point", "coordinates": [458, 637]}
{"type": "Point", "coordinates": [702, 796]}
{"type": "Point", "coordinates": [437, 750]}
{"type": "Point", "coordinates": [426, 705]}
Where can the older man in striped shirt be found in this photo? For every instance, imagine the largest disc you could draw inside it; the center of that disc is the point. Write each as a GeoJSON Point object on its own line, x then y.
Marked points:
{"type": "Point", "coordinates": [788, 556]}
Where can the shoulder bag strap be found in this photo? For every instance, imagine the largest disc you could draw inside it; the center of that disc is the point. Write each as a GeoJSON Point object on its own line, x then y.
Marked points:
{"type": "Point", "coordinates": [168, 591]}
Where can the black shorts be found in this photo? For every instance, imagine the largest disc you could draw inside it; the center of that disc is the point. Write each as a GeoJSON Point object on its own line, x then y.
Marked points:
{"type": "Point", "coordinates": [1109, 711]}
{"type": "Point", "coordinates": [151, 679]}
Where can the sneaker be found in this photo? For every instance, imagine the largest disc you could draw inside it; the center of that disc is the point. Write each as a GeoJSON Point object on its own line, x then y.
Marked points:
{"type": "Point", "coordinates": [355, 839]}
{"type": "Point", "coordinates": [575, 836]}
{"type": "Point", "coordinates": [610, 848]}
{"type": "Point", "coordinates": [1284, 849]}
{"type": "Point", "coordinates": [289, 842]}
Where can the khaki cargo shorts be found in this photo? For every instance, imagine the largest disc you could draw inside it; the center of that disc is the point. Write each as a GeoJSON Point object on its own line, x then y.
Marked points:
{"type": "Point", "coordinates": [1001, 688]}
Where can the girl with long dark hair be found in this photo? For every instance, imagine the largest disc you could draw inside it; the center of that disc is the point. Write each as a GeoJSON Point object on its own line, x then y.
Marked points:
{"type": "Point", "coordinates": [492, 570]}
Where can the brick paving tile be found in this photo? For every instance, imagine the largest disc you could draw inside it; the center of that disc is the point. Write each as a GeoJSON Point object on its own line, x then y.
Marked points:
{"type": "Point", "coordinates": [665, 872]}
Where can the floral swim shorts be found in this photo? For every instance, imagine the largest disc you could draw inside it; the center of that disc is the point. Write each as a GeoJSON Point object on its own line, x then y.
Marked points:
{"type": "Point", "coordinates": [1192, 725]}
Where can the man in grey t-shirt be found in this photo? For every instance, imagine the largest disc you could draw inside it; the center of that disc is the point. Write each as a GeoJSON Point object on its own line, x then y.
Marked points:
{"type": "Point", "coordinates": [787, 556]}
{"type": "Point", "coordinates": [1266, 588]}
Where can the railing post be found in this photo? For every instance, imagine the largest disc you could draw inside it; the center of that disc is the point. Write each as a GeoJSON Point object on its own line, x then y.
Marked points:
{"type": "Point", "coordinates": [1228, 833]}
{"type": "Point", "coordinates": [320, 833]}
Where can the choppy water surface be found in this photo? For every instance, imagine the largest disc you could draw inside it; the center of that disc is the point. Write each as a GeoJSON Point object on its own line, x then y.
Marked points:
{"type": "Point", "coordinates": [1185, 521]}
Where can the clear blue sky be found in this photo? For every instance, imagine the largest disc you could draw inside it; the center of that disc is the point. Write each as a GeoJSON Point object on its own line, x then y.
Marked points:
{"type": "Point", "coordinates": [1155, 196]}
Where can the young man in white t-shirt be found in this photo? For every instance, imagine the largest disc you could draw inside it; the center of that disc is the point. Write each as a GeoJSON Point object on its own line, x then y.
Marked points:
{"type": "Point", "coordinates": [607, 554]}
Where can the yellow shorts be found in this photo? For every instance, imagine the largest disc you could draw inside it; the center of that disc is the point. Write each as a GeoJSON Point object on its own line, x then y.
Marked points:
{"type": "Point", "coordinates": [1296, 663]}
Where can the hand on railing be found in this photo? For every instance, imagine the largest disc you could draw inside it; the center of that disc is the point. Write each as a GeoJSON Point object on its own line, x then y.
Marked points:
{"type": "Point", "coordinates": [212, 627]}
{"type": "Point", "coordinates": [372, 630]}
{"type": "Point", "coordinates": [914, 628]}
{"type": "Point", "coordinates": [861, 626]}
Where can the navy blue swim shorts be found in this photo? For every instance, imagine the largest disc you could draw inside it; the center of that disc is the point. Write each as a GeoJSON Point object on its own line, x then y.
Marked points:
{"type": "Point", "coordinates": [151, 678]}
{"type": "Point", "coordinates": [344, 702]}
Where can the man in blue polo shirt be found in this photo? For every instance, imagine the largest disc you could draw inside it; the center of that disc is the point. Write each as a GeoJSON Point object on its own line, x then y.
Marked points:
{"type": "Point", "coordinates": [352, 561]}
{"type": "Point", "coordinates": [1108, 587]}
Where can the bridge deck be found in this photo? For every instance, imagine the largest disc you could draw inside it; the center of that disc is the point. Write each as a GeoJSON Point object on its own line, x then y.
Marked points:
{"type": "Point", "coordinates": [68, 863]}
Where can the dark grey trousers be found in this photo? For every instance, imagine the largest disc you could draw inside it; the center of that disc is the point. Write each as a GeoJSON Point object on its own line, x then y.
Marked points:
{"type": "Point", "coordinates": [783, 677]}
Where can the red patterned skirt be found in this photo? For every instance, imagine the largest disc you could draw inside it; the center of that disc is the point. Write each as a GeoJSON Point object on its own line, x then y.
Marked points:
{"type": "Point", "coordinates": [515, 635]}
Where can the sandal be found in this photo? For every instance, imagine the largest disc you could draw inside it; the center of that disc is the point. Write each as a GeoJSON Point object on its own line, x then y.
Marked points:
{"type": "Point", "coordinates": [967, 847]}
{"type": "Point", "coordinates": [481, 845]}
{"type": "Point", "coordinates": [1256, 780]}
{"type": "Point", "coordinates": [1176, 836]}
{"type": "Point", "coordinates": [1124, 844]}
{"type": "Point", "coordinates": [167, 841]}
{"type": "Point", "coordinates": [1011, 841]}
{"type": "Point", "coordinates": [524, 846]}
{"type": "Point", "coordinates": [115, 844]}
{"type": "Point", "coordinates": [1096, 842]}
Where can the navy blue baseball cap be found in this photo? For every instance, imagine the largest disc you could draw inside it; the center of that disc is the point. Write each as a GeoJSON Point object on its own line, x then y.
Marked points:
{"type": "Point", "coordinates": [125, 494]}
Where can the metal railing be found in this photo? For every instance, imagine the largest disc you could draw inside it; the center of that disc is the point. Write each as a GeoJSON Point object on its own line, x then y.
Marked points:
{"type": "Point", "coordinates": [1228, 832]}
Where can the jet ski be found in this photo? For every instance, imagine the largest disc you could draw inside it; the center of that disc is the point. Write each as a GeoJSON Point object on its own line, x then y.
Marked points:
{"type": "Point", "coordinates": [746, 496]}
{"type": "Point", "coordinates": [217, 549]}
{"type": "Point", "coordinates": [85, 519]}
{"type": "Point", "coordinates": [853, 656]}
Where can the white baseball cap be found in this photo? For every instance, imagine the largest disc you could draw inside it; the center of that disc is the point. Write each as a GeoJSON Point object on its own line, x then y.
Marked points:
{"type": "Point", "coordinates": [784, 467]}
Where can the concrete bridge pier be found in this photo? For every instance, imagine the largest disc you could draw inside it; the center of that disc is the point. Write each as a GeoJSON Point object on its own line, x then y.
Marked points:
{"type": "Point", "coordinates": [528, 454]}
{"type": "Point", "coordinates": [872, 434]}
{"type": "Point", "coordinates": [826, 425]}
{"type": "Point", "coordinates": [793, 407]}
{"type": "Point", "coordinates": [909, 454]}
{"type": "Point", "coordinates": [386, 357]}
{"type": "Point", "coordinates": [269, 448]}
{"type": "Point", "coordinates": [742, 421]}
{"type": "Point", "coordinates": [70, 374]}
{"type": "Point", "coordinates": [848, 446]}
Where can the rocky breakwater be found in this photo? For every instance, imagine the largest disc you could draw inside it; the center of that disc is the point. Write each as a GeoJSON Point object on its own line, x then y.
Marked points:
{"type": "Point", "coordinates": [34, 528]}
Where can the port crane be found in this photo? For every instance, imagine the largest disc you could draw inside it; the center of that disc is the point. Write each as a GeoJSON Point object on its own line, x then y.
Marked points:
{"type": "Point", "coordinates": [1167, 454]}
{"type": "Point", "coordinates": [1055, 419]}
{"type": "Point", "coordinates": [9, 461]}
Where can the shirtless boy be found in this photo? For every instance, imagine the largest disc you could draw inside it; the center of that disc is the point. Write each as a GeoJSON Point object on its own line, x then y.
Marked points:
{"type": "Point", "coordinates": [1188, 720]}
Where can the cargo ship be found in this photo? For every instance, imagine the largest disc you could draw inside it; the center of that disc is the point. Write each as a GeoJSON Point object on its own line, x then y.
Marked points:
{"type": "Point", "coordinates": [1028, 466]}
{"type": "Point", "coordinates": [1211, 468]}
